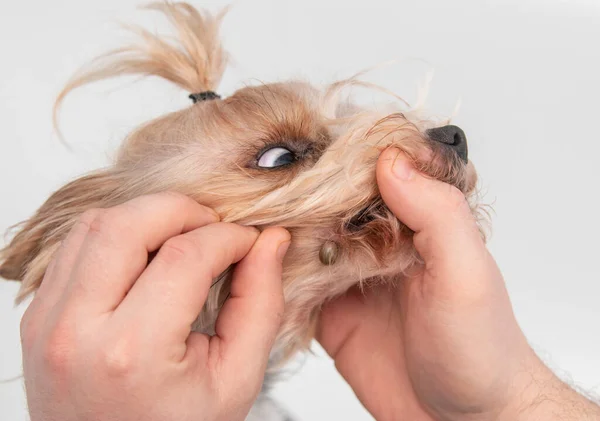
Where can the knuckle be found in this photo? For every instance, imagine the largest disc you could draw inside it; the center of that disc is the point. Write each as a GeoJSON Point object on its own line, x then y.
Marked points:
{"type": "Point", "coordinates": [101, 222]}
{"type": "Point", "coordinates": [456, 199]}
{"type": "Point", "coordinates": [57, 349]}
{"type": "Point", "coordinates": [177, 249]}
{"type": "Point", "coordinates": [56, 357]}
{"type": "Point", "coordinates": [108, 223]}
{"type": "Point", "coordinates": [235, 232]}
{"type": "Point", "coordinates": [87, 217]}
{"type": "Point", "coordinates": [117, 359]}
{"type": "Point", "coordinates": [178, 200]}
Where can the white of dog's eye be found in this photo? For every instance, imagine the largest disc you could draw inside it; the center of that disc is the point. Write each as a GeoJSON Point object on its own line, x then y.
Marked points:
{"type": "Point", "coordinates": [276, 157]}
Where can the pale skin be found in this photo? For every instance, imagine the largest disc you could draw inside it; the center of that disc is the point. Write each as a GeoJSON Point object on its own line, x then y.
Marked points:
{"type": "Point", "coordinates": [107, 338]}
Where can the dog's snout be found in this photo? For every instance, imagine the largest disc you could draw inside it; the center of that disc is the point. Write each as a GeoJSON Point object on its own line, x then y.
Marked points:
{"type": "Point", "coordinates": [452, 136]}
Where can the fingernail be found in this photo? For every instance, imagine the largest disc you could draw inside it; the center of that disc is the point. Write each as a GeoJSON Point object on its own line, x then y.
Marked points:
{"type": "Point", "coordinates": [401, 168]}
{"type": "Point", "coordinates": [282, 250]}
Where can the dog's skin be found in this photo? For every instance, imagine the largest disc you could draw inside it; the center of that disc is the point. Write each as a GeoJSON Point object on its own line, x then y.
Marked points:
{"type": "Point", "coordinates": [283, 154]}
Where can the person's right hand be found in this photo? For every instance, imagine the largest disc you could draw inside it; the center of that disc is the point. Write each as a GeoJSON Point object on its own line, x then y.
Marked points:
{"type": "Point", "coordinates": [444, 344]}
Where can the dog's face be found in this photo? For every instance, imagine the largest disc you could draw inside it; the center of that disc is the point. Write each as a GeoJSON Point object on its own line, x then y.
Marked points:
{"type": "Point", "coordinates": [282, 154]}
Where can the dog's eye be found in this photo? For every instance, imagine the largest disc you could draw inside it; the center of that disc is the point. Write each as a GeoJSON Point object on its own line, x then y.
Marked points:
{"type": "Point", "coordinates": [276, 157]}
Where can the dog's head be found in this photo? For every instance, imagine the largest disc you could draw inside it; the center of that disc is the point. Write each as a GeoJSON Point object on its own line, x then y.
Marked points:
{"type": "Point", "coordinates": [284, 154]}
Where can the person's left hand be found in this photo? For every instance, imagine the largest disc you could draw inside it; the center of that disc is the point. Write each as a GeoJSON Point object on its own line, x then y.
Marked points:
{"type": "Point", "coordinates": [107, 336]}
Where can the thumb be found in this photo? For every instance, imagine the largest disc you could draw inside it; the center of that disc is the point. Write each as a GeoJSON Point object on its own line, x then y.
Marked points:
{"type": "Point", "coordinates": [251, 316]}
{"type": "Point", "coordinates": [446, 234]}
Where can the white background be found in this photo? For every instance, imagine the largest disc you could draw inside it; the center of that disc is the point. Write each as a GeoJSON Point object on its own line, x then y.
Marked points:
{"type": "Point", "coordinates": [528, 74]}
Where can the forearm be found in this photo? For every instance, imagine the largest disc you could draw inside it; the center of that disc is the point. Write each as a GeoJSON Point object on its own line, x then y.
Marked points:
{"type": "Point", "coordinates": [544, 397]}
{"type": "Point", "coordinates": [565, 405]}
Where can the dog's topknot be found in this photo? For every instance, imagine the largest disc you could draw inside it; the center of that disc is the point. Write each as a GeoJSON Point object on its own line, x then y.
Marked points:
{"type": "Point", "coordinates": [195, 62]}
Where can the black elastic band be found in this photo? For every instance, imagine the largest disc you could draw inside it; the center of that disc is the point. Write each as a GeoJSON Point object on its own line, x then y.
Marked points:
{"type": "Point", "coordinates": [204, 96]}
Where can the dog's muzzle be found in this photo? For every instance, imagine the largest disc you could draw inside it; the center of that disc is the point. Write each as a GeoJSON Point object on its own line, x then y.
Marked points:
{"type": "Point", "coordinates": [452, 136]}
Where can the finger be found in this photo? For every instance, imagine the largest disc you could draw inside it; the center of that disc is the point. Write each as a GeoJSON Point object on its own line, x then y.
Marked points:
{"type": "Point", "coordinates": [251, 316]}
{"type": "Point", "coordinates": [55, 279]}
{"type": "Point", "coordinates": [339, 319]}
{"type": "Point", "coordinates": [361, 332]}
{"type": "Point", "coordinates": [115, 250]}
{"type": "Point", "coordinates": [59, 270]}
{"type": "Point", "coordinates": [169, 295]}
{"type": "Point", "coordinates": [446, 234]}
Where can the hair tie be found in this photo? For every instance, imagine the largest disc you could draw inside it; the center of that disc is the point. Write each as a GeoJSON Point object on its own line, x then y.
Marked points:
{"type": "Point", "coordinates": [204, 96]}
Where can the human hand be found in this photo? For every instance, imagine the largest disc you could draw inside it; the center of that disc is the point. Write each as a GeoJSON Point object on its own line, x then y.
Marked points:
{"type": "Point", "coordinates": [444, 344]}
{"type": "Point", "coordinates": [107, 337]}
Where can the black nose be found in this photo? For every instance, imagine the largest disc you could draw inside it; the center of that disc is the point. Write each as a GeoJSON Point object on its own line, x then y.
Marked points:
{"type": "Point", "coordinates": [452, 136]}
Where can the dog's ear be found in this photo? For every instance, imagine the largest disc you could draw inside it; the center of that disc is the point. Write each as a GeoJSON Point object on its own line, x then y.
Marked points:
{"type": "Point", "coordinates": [26, 257]}
{"type": "Point", "coordinates": [193, 60]}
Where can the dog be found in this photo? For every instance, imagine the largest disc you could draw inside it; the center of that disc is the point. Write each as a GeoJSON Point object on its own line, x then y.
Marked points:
{"type": "Point", "coordinates": [281, 154]}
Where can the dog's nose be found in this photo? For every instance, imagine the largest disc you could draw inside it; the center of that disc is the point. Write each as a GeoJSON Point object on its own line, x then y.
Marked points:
{"type": "Point", "coordinates": [452, 136]}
